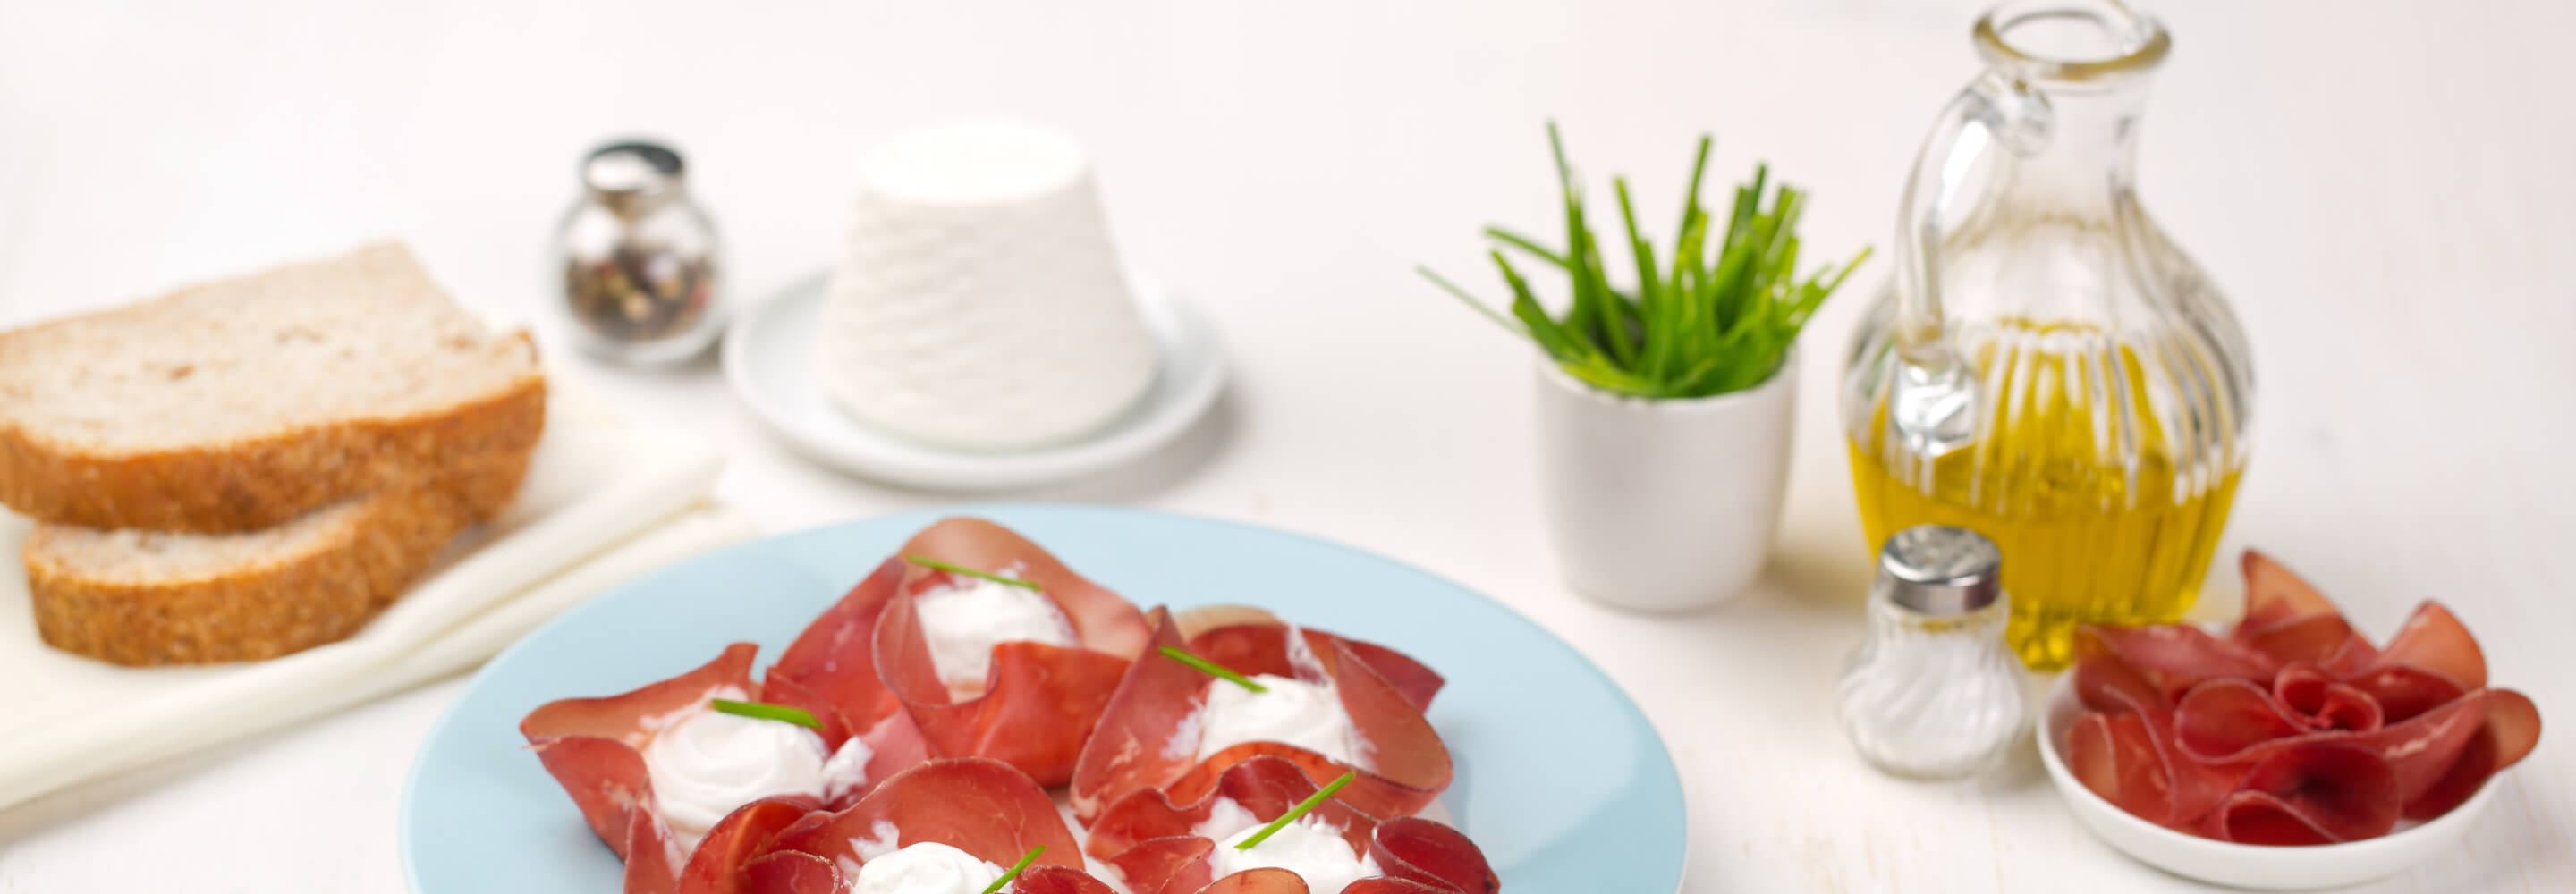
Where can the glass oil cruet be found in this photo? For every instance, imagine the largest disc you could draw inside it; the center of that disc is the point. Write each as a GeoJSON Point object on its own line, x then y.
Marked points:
{"type": "Point", "coordinates": [2046, 368]}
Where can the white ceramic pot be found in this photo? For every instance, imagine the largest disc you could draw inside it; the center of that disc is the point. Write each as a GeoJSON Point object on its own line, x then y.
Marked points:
{"type": "Point", "coordinates": [1663, 505]}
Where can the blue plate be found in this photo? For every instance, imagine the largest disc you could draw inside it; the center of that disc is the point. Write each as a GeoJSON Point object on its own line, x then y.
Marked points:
{"type": "Point", "coordinates": [1560, 779]}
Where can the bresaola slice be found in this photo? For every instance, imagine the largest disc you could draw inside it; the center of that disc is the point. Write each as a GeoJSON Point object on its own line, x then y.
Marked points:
{"type": "Point", "coordinates": [1149, 735]}
{"type": "Point", "coordinates": [2434, 640]}
{"type": "Point", "coordinates": [869, 656]}
{"type": "Point", "coordinates": [594, 749]}
{"type": "Point", "coordinates": [1156, 844]}
{"type": "Point", "coordinates": [1104, 621]}
{"type": "Point", "coordinates": [716, 867]}
{"type": "Point", "coordinates": [2292, 729]}
{"type": "Point", "coordinates": [1264, 786]}
{"type": "Point", "coordinates": [832, 664]}
{"type": "Point", "coordinates": [1058, 880]}
{"type": "Point", "coordinates": [2510, 730]}
{"type": "Point", "coordinates": [2311, 793]}
{"type": "Point", "coordinates": [1433, 856]}
{"type": "Point", "coordinates": [2126, 750]}
{"type": "Point", "coordinates": [987, 809]}
{"type": "Point", "coordinates": [2320, 701]}
{"type": "Point", "coordinates": [1418, 682]}
{"type": "Point", "coordinates": [1039, 703]}
{"type": "Point", "coordinates": [983, 807]}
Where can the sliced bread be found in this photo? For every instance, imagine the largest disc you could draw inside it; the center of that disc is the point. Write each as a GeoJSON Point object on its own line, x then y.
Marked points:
{"type": "Point", "coordinates": [150, 597]}
{"type": "Point", "coordinates": [238, 405]}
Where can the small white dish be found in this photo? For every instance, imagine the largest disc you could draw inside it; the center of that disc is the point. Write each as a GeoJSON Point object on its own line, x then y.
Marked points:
{"type": "Point", "coordinates": [769, 360]}
{"type": "Point", "coordinates": [2245, 865]}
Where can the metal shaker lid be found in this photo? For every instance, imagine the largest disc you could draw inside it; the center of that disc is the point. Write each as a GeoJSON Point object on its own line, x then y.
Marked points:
{"type": "Point", "coordinates": [633, 177]}
{"type": "Point", "coordinates": [1941, 570]}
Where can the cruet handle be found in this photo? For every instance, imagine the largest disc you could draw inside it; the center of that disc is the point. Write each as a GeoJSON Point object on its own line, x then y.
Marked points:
{"type": "Point", "coordinates": [1932, 403]}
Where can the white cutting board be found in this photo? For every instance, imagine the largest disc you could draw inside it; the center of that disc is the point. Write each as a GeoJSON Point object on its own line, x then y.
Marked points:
{"type": "Point", "coordinates": [602, 502]}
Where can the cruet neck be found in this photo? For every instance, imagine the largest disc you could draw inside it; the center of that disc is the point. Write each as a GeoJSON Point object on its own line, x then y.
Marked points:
{"type": "Point", "coordinates": [2076, 72]}
{"type": "Point", "coordinates": [2086, 153]}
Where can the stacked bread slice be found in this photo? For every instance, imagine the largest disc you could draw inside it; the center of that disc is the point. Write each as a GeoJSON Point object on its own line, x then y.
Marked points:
{"type": "Point", "coordinates": [256, 466]}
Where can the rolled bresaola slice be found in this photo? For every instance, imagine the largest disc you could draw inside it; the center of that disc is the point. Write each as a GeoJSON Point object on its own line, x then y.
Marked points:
{"type": "Point", "coordinates": [2287, 620]}
{"type": "Point", "coordinates": [1265, 786]}
{"type": "Point", "coordinates": [1156, 845]}
{"type": "Point", "coordinates": [594, 749]}
{"type": "Point", "coordinates": [2124, 748]}
{"type": "Point", "coordinates": [1421, 855]}
{"type": "Point", "coordinates": [872, 655]}
{"type": "Point", "coordinates": [2174, 657]}
{"type": "Point", "coordinates": [2314, 793]}
{"type": "Point", "coordinates": [2306, 732]}
{"type": "Point", "coordinates": [983, 807]}
{"type": "Point", "coordinates": [1149, 735]}
{"type": "Point", "coordinates": [717, 866]}
{"type": "Point", "coordinates": [1254, 881]}
{"type": "Point", "coordinates": [1058, 880]}
{"type": "Point", "coordinates": [1419, 683]}
{"type": "Point", "coordinates": [831, 671]}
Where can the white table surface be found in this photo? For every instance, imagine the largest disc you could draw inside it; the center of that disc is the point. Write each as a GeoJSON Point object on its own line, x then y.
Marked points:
{"type": "Point", "coordinates": [2383, 188]}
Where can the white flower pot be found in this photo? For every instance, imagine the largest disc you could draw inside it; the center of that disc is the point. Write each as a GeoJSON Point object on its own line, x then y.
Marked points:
{"type": "Point", "coordinates": [1663, 505]}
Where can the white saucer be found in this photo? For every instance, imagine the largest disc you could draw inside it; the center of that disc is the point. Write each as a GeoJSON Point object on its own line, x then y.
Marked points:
{"type": "Point", "coordinates": [768, 358]}
{"type": "Point", "coordinates": [2270, 868]}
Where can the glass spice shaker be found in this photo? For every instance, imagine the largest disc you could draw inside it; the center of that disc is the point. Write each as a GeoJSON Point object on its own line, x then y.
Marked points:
{"type": "Point", "coordinates": [1934, 693]}
{"type": "Point", "coordinates": [638, 259]}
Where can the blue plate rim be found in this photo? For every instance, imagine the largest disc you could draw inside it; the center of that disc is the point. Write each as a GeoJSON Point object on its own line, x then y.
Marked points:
{"type": "Point", "coordinates": [447, 715]}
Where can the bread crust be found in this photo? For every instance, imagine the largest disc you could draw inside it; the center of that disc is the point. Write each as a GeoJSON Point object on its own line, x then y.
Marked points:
{"type": "Point", "coordinates": [278, 607]}
{"type": "Point", "coordinates": [262, 482]}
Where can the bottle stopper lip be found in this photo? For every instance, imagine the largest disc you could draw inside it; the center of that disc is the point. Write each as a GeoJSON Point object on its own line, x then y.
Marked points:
{"type": "Point", "coordinates": [1941, 570]}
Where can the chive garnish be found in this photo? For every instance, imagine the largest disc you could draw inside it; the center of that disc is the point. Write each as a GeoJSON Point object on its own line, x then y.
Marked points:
{"type": "Point", "coordinates": [1211, 668]}
{"type": "Point", "coordinates": [1015, 870]}
{"type": "Point", "coordinates": [954, 568]}
{"type": "Point", "coordinates": [1297, 811]}
{"type": "Point", "coordinates": [767, 711]}
{"type": "Point", "coordinates": [1716, 315]}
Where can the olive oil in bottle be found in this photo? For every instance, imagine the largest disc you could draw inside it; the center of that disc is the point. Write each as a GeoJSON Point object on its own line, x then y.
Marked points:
{"type": "Point", "coordinates": [2045, 367]}
{"type": "Point", "coordinates": [2091, 536]}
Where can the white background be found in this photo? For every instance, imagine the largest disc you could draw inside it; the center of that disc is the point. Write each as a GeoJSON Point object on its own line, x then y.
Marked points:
{"type": "Point", "coordinates": [2384, 190]}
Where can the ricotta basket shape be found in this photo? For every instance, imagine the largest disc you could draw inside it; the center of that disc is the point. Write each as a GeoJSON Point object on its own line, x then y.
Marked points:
{"type": "Point", "coordinates": [979, 304]}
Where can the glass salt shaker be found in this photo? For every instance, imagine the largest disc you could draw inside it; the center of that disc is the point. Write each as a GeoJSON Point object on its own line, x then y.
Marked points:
{"type": "Point", "coordinates": [1934, 693]}
{"type": "Point", "coordinates": [638, 259]}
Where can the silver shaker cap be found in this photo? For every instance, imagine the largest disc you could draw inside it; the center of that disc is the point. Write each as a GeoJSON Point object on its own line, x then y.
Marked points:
{"type": "Point", "coordinates": [632, 178]}
{"type": "Point", "coordinates": [1941, 570]}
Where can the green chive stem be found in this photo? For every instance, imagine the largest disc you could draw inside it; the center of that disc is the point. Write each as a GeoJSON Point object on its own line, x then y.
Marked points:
{"type": "Point", "coordinates": [1006, 878]}
{"type": "Point", "coordinates": [1297, 811]}
{"type": "Point", "coordinates": [767, 711]}
{"type": "Point", "coordinates": [1722, 319]}
{"type": "Point", "coordinates": [954, 568]}
{"type": "Point", "coordinates": [1211, 668]}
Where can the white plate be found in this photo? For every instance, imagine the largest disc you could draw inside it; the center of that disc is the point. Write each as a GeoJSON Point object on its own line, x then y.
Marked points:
{"type": "Point", "coordinates": [768, 357]}
{"type": "Point", "coordinates": [2246, 865]}
{"type": "Point", "coordinates": [1588, 803]}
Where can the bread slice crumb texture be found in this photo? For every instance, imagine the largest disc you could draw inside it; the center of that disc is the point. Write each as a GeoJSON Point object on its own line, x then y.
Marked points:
{"type": "Point", "coordinates": [139, 557]}
{"type": "Point", "coordinates": [366, 336]}
{"type": "Point", "coordinates": [150, 598]}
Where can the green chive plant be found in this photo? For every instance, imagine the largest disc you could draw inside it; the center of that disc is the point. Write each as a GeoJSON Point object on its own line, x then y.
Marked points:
{"type": "Point", "coordinates": [1719, 318]}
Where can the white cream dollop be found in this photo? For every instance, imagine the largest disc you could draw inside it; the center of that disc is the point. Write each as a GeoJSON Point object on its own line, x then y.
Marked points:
{"type": "Point", "coordinates": [1315, 852]}
{"type": "Point", "coordinates": [1225, 818]}
{"type": "Point", "coordinates": [847, 770]}
{"type": "Point", "coordinates": [965, 621]}
{"type": "Point", "coordinates": [1293, 712]}
{"type": "Point", "coordinates": [711, 762]}
{"type": "Point", "coordinates": [926, 868]}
